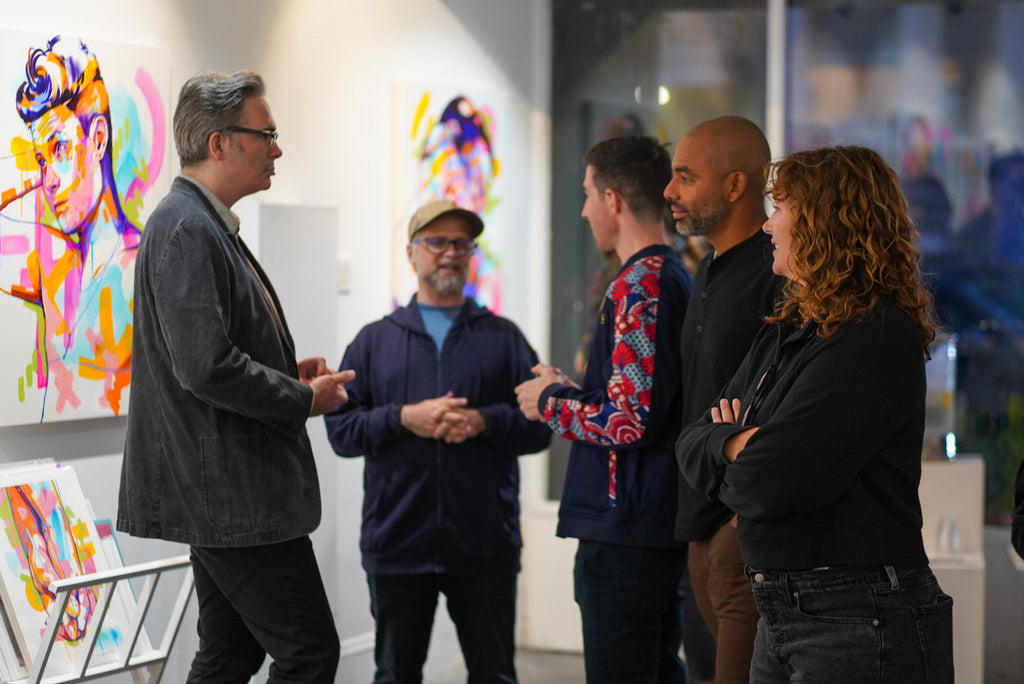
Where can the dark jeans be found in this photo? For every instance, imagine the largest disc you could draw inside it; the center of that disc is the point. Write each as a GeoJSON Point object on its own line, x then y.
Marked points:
{"type": "Point", "coordinates": [852, 625]}
{"type": "Point", "coordinates": [631, 609]}
{"type": "Point", "coordinates": [257, 600]}
{"type": "Point", "coordinates": [482, 608]}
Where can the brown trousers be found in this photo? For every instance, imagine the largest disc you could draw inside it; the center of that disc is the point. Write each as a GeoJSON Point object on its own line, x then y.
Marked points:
{"type": "Point", "coordinates": [722, 590]}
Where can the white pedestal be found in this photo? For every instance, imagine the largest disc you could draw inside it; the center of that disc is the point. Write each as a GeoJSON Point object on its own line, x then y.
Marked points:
{"type": "Point", "coordinates": [954, 490]}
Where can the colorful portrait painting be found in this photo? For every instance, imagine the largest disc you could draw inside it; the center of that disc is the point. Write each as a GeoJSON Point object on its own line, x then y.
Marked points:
{"type": "Point", "coordinates": [447, 146]}
{"type": "Point", "coordinates": [49, 535]}
{"type": "Point", "coordinates": [85, 125]}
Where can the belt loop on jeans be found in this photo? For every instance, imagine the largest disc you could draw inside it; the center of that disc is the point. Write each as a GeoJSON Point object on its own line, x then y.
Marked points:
{"type": "Point", "coordinates": [894, 581]}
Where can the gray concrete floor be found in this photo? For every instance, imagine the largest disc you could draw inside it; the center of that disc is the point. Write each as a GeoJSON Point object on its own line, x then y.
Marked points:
{"type": "Point", "coordinates": [532, 667]}
{"type": "Point", "coordinates": [546, 667]}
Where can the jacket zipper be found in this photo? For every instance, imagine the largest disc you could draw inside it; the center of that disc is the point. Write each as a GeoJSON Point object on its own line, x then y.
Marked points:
{"type": "Point", "coordinates": [439, 463]}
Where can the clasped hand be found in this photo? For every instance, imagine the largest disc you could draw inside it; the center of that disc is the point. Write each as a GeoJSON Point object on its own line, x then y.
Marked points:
{"type": "Point", "coordinates": [444, 418]}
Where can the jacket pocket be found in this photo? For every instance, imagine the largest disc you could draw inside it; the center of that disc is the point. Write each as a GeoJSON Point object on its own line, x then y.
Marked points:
{"type": "Point", "coordinates": [243, 487]}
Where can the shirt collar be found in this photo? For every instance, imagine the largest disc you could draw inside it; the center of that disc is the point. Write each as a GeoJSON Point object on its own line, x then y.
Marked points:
{"type": "Point", "coordinates": [230, 218]}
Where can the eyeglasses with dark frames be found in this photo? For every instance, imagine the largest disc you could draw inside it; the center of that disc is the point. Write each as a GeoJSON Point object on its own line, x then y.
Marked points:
{"type": "Point", "coordinates": [269, 135]}
{"type": "Point", "coordinates": [439, 245]}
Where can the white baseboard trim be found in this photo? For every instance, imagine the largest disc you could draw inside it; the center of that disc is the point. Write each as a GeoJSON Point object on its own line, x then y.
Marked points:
{"type": "Point", "coordinates": [357, 645]}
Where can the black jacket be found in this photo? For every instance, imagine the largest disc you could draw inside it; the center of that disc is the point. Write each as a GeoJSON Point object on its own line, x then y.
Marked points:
{"type": "Point", "coordinates": [732, 294]}
{"type": "Point", "coordinates": [830, 478]}
{"type": "Point", "coordinates": [216, 452]}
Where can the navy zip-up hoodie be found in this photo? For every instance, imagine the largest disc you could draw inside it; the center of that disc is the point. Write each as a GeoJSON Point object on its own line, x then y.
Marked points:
{"type": "Point", "coordinates": [429, 506]}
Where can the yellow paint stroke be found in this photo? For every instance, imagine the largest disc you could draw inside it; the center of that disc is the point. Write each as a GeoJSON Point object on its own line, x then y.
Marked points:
{"type": "Point", "coordinates": [439, 161]}
{"type": "Point", "coordinates": [39, 359]}
{"type": "Point", "coordinates": [109, 212]}
{"type": "Point", "coordinates": [31, 595]}
{"type": "Point", "coordinates": [83, 551]}
{"type": "Point", "coordinates": [122, 134]}
{"type": "Point", "coordinates": [24, 154]}
{"type": "Point", "coordinates": [94, 368]}
{"type": "Point", "coordinates": [421, 109]}
{"type": "Point", "coordinates": [132, 205]}
{"type": "Point", "coordinates": [109, 354]}
{"type": "Point", "coordinates": [123, 377]}
{"type": "Point", "coordinates": [52, 283]}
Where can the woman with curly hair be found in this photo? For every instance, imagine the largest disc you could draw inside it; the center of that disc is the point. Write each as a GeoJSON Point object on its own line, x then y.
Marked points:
{"type": "Point", "coordinates": [816, 443]}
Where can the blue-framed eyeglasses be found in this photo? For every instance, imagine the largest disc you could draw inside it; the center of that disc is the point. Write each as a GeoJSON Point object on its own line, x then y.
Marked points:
{"type": "Point", "coordinates": [439, 245]}
{"type": "Point", "coordinates": [269, 135]}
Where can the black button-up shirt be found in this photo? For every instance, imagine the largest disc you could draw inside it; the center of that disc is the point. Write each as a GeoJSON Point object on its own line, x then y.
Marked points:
{"type": "Point", "coordinates": [732, 294]}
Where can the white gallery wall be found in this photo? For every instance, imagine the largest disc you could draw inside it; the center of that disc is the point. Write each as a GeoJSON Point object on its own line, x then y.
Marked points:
{"type": "Point", "coordinates": [329, 67]}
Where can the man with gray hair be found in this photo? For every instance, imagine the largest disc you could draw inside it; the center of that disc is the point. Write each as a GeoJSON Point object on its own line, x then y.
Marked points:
{"type": "Point", "coordinates": [216, 454]}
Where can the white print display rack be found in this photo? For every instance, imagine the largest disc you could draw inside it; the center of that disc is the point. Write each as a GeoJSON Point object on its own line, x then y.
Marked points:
{"type": "Point", "coordinates": [67, 607]}
{"type": "Point", "coordinates": [140, 664]}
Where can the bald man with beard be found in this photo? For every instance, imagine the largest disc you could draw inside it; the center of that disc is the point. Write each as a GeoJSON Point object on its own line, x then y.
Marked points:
{"type": "Point", "coordinates": [716, 192]}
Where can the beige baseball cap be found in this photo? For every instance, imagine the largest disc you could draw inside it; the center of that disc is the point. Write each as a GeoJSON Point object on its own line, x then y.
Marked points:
{"type": "Point", "coordinates": [432, 211]}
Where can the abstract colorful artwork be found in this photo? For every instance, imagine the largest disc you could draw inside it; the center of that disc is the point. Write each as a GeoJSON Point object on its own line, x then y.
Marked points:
{"type": "Point", "coordinates": [48, 534]}
{"type": "Point", "coordinates": [85, 124]}
{"type": "Point", "coordinates": [447, 146]}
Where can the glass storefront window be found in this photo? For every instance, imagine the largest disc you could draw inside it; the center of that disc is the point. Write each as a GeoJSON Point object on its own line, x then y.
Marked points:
{"type": "Point", "coordinates": [653, 67]}
{"type": "Point", "coordinates": [937, 89]}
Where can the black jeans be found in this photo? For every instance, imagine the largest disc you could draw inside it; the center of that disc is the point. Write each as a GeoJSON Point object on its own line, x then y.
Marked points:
{"type": "Point", "coordinates": [257, 600]}
{"type": "Point", "coordinates": [879, 625]}
{"type": "Point", "coordinates": [631, 608]}
{"type": "Point", "coordinates": [482, 608]}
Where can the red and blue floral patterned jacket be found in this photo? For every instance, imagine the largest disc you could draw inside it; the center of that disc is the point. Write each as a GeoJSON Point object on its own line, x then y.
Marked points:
{"type": "Point", "coordinates": [620, 486]}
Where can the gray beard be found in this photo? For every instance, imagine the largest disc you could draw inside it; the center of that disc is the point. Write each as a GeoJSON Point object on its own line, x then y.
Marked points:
{"type": "Point", "coordinates": [447, 285]}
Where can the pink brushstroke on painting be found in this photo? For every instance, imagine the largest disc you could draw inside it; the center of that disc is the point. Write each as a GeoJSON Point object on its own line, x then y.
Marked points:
{"type": "Point", "coordinates": [14, 244]}
{"type": "Point", "coordinates": [149, 90]}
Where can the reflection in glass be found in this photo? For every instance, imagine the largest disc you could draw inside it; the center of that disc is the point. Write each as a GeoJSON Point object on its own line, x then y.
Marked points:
{"type": "Point", "coordinates": [623, 68]}
{"type": "Point", "coordinates": [937, 90]}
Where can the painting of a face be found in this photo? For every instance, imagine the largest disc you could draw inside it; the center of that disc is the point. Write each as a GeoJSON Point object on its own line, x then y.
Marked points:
{"type": "Point", "coordinates": [446, 142]}
{"type": "Point", "coordinates": [68, 158]}
{"type": "Point", "coordinates": [86, 164]}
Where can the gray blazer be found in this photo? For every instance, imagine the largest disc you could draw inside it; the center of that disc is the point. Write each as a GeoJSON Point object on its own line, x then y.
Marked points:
{"type": "Point", "coordinates": [216, 452]}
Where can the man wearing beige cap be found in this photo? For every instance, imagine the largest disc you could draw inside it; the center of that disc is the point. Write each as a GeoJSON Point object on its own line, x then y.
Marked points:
{"type": "Point", "coordinates": [434, 412]}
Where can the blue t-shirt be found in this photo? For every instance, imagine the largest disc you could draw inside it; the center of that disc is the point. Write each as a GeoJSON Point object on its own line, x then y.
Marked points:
{"type": "Point", "coordinates": [437, 320]}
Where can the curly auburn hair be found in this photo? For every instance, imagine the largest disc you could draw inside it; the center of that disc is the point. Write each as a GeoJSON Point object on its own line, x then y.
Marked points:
{"type": "Point", "coordinates": [853, 242]}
